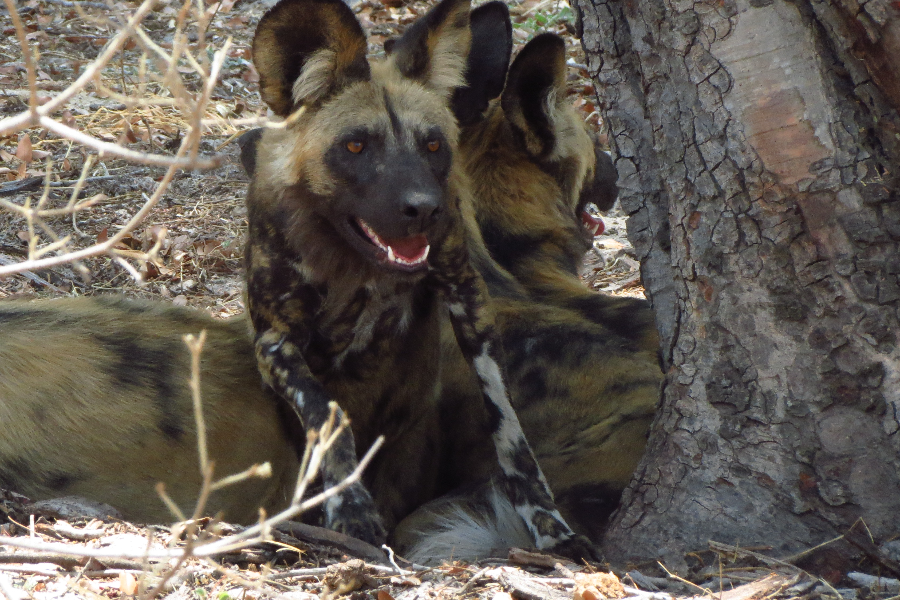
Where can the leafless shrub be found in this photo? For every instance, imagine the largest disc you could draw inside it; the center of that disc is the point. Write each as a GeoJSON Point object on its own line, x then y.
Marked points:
{"type": "Point", "coordinates": [170, 87]}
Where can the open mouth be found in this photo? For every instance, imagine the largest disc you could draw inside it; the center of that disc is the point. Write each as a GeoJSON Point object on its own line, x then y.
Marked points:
{"type": "Point", "coordinates": [592, 224]}
{"type": "Point", "coordinates": [408, 253]}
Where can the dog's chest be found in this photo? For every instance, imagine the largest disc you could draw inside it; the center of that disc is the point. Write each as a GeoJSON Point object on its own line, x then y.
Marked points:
{"type": "Point", "coordinates": [366, 326]}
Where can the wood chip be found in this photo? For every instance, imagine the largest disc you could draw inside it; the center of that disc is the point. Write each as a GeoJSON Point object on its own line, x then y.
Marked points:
{"type": "Point", "coordinates": [597, 586]}
{"type": "Point", "coordinates": [526, 558]}
{"type": "Point", "coordinates": [523, 587]}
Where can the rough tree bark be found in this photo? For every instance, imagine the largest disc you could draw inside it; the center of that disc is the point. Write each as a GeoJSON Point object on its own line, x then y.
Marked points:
{"type": "Point", "coordinates": [758, 150]}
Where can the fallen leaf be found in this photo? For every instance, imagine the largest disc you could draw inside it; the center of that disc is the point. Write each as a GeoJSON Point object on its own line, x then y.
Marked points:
{"type": "Point", "coordinates": [383, 595]}
{"type": "Point", "coordinates": [129, 242]}
{"type": "Point", "coordinates": [103, 235]}
{"type": "Point", "coordinates": [597, 586]}
{"type": "Point", "coordinates": [180, 300]}
{"type": "Point", "coordinates": [127, 584]}
{"type": "Point", "coordinates": [127, 135]}
{"type": "Point", "coordinates": [149, 271]}
{"type": "Point", "coordinates": [23, 235]}
{"type": "Point", "coordinates": [24, 149]}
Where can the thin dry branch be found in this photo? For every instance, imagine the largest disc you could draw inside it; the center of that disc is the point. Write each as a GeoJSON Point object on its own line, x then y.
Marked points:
{"type": "Point", "coordinates": [247, 537]}
{"type": "Point", "coordinates": [30, 118]}
{"type": "Point", "coordinates": [192, 106]}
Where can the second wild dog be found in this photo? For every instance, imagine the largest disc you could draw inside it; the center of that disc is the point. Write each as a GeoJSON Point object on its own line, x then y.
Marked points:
{"type": "Point", "coordinates": [534, 169]}
{"type": "Point", "coordinates": [582, 367]}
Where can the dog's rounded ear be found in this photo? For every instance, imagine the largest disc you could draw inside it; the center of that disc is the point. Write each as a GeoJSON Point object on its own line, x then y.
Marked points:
{"type": "Point", "coordinates": [433, 50]}
{"type": "Point", "coordinates": [305, 51]}
{"type": "Point", "coordinates": [487, 63]}
{"type": "Point", "coordinates": [535, 87]}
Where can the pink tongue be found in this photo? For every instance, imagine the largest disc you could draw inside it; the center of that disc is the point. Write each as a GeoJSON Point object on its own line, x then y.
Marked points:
{"type": "Point", "coordinates": [592, 223]}
{"type": "Point", "coordinates": [409, 247]}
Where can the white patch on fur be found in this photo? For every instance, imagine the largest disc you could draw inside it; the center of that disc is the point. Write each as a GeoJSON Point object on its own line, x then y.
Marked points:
{"type": "Point", "coordinates": [457, 309]}
{"type": "Point", "coordinates": [448, 65]}
{"type": "Point", "coordinates": [298, 399]}
{"type": "Point", "coordinates": [316, 77]}
{"type": "Point", "coordinates": [552, 114]}
{"type": "Point", "coordinates": [467, 530]}
{"type": "Point", "coordinates": [528, 511]}
{"type": "Point", "coordinates": [448, 57]}
{"type": "Point", "coordinates": [510, 435]}
{"type": "Point", "coordinates": [332, 506]}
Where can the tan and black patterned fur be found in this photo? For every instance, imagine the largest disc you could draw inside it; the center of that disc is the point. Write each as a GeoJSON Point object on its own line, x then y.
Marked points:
{"type": "Point", "coordinates": [94, 402]}
{"type": "Point", "coordinates": [534, 167]}
{"type": "Point", "coordinates": [109, 377]}
{"type": "Point", "coordinates": [370, 147]}
{"type": "Point", "coordinates": [582, 367]}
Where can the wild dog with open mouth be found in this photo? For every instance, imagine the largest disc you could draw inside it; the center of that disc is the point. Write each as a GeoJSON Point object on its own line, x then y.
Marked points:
{"type": "Point", "coordinates": [357, 246]}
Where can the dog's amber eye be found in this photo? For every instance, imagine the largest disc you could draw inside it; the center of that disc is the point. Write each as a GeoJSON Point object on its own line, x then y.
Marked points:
{"type": "Point", "coordinates": [355, 147]}
{"type": "Point", "coordinates": [434, 145]}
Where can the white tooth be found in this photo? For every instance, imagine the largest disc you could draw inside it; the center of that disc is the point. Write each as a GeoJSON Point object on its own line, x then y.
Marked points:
{"type": "Point", "coordinates": [391, 254]}
{"type": "Point", "coordinates": [425, 254]}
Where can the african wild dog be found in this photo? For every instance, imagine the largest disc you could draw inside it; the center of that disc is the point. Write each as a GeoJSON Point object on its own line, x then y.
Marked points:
{"type": "Point", "coordinates": [534, 169]}
{"type": "Point", "coordinates": [585, 394]}
{"type": "Point", "coordinates": [94, 402]}
{"type": "Point", "coordinates": [584, 382]}
{"type": "Point", "coordinates": [357, 250]}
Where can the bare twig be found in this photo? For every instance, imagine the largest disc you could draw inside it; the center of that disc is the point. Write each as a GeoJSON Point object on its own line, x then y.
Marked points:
{"type": "Point", "coordinates": [195, 346]}
{"type": "Point", "coordinates": [472, 581]}
{"type": "Point", "coordinates": [193, 107]}
{"type": "Point", "coordinates": [248, 536]}
{"type": "Point", "coordinates": [66, 561]}
{"type": "Point", "coordinates": [7, 260]}
{"type": "Point", "coordinates": [6, 589]}
{"type": "Point", "coordinates": [29, 119]}
{"type": "Point", "coordinates": [82, 4]}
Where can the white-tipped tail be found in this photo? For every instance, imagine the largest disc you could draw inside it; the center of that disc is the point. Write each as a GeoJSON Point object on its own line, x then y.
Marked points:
{"type": "Point", "coordinates": [477, 523]}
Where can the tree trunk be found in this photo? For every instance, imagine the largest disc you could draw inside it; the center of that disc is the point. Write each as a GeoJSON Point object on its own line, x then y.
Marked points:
{"type": "Point", "coordinates": [758, 150]}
